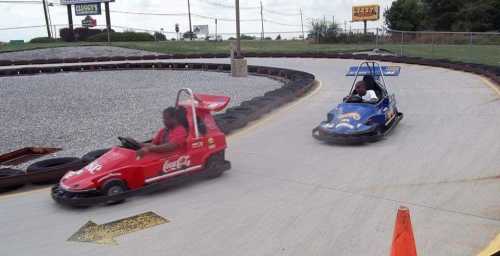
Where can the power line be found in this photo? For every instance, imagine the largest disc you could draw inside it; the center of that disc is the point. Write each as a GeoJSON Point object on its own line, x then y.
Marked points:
{"type": "Point", "coordinates": [282, 13]}
{"type": "Point", "coordinates": [228, 6]}
{"type": "Point", "coordinates": [183, 14]}
{"type": "Point", "coordinates": [281, 24]}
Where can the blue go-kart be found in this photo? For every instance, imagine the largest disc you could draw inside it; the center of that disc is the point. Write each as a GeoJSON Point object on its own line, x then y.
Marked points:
{"type": "Point", "coordinates": [356, 120]}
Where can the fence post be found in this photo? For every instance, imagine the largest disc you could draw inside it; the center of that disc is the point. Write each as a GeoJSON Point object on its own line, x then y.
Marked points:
{"type": "Point", "coordinates": [432, 44]}
{"type": "Point", "coordinates": [470, 47]}
{"type": "Point", "coordinates": [402, 42]}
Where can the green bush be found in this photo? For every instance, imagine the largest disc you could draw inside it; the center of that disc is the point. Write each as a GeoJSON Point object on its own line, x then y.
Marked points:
{"type": "Point", "coordinates": [122, 37]}
{"type": "Point", "coordinates": [43, 40]}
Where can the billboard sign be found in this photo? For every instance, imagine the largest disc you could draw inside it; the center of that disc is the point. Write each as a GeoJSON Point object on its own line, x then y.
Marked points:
{"type": "Point", "coordinates": [200, 29]}
{"type": "Point", "coordinates": [88, 9]}
{"type": "Point", "coordinates": [68, 2]}
{"type": "Point", "coordinates": [365, 12]}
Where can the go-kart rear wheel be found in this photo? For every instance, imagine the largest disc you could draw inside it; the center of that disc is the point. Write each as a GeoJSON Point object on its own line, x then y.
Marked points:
{"type": "Point", "coordinates": [113, 188]}
{"type": "Point", "coordinates": [213, 165]}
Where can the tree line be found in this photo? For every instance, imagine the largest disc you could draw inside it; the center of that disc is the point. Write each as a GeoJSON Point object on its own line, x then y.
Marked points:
{"type": "Point", "coordinates": [444, 15]}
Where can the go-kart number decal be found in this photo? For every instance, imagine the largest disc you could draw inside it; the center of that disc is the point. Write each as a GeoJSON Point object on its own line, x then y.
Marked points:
{"type": "Point", "coordinates": [353, 115]}
{"type": "Point", "coordinates": [181, 162]}
{"type": "Point", "coordinates": [92, 168]}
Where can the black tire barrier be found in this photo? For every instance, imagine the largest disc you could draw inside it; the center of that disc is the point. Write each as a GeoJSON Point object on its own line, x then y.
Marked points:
{"type": "Point", "coordinates": [118, 58]}
{"type": "Point", "coordinates": [228, 123]}
{"type": "Point", "coordinates": [93, 155]}
{"type": "Point", "coordinates": [54, 61]}
{"type": "Point", "coordinates": [149, 57]}
{"type": "Point", "coordinates": [11, 179]}
{"type": "Point", "coordinates": [103, 58]}
{"type": "Point", "coordinates": [5, 62]}
{"type": "Point", "coordinates": [249, 113]}
{"type": "Point", "coordinates": [70, 60]}
{"type": "Point", "coordinates": [38, 61]}
{"type": "Point", "coordinates": [133, 57]}
{"type": "Point", "coordinates": [21, 62]}
{"type": "Point", "coordinates": [51, 170]}
{"type": "Point", "coordinates": [262, 107]}
{"type": "Point", "coordinates": [87, 59]}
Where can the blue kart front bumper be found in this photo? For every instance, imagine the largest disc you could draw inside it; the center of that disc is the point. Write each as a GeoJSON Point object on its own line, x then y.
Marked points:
{"type": "Point", "coordinates": [373, 134]}
{"type": "Point", "coordinates": [353, 138]}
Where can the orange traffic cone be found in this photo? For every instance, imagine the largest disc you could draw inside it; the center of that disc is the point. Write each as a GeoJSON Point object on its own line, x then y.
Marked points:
{"type": "Point", "coordinates": [403, 243]}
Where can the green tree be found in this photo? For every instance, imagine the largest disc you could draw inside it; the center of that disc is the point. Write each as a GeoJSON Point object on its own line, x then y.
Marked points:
{"type": "Point", "coordinates": [323, 31]}
{"type": "Point", "coordinates": [442, 14]}
{"type": "Point", "coordinates": [477, 16]}
{"type": "Point", "coordinates": [405, 15]}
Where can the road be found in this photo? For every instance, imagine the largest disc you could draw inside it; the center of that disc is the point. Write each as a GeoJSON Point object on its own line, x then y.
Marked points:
{"type": "Point", "coordinates": [288, 194]}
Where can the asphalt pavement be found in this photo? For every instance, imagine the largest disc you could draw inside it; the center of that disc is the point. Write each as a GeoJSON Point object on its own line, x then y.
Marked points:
{"type": "Point", "coordinates": [288, 194]}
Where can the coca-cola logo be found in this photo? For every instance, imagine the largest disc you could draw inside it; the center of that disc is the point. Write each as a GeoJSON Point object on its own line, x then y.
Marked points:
{"type": "Point", "coordinates": [181, 163]}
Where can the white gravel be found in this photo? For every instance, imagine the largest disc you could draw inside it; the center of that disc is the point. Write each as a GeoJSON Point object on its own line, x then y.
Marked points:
{"type": "Point", "coordinates": [72, 52]}
{"type": "Point", "coordinates": [85, 111]}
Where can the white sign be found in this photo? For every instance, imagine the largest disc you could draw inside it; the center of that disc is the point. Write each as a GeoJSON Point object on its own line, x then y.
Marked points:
{"type": "Point", "coordinates": [67, 2]}
{"type": "Point", "coordinates": [87, 9]}
{"type": "Point", "coordinates": [200, 29]}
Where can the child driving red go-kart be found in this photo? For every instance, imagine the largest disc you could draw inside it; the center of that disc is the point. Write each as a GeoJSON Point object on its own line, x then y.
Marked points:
{"type": "Point", "coordinates": [189, 143]}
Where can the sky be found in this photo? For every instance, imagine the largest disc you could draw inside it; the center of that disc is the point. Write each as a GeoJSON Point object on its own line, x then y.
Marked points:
{"type": "Point", "coordinates": [19, 15]}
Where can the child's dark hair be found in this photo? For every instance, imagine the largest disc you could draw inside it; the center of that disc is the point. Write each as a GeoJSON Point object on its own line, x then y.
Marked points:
{"type": "Point", "coordinates": [170, 111]}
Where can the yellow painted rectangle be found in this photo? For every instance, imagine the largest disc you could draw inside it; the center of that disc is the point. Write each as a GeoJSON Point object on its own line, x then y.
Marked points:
{"type": "Point", "coordinates": [365, 12]}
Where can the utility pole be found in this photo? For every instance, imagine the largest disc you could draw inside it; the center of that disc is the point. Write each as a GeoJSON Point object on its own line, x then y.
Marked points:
{"type": "Point", "coordinates": [239, 65]}
{"type": "Point", "coordinates": [108, 21]}
{"type": "Point", "coordinates": [238, 40]}
{"type": "Point", "coordinates": [70, 23]}
{"type": "Point", "coordinates": [262, 21]}
{"type": "Point", "coordinates": [52, 25]}
{"type": "Point", "coordinates": [215, 30]}
{"type": "Point", "coordinates": [302, 24]}
{"type": "Point", "coordinates": [44, 2]}
{"type": "Point", "coordinates": [190, 27]}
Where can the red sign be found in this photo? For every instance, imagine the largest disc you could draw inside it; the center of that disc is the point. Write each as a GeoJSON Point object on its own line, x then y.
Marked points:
{"type": "Point", "coordinates": [88, 22]}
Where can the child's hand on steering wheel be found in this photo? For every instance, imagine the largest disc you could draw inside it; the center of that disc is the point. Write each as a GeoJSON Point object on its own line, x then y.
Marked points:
{"type": "Point", "coordinates": [141, 152]}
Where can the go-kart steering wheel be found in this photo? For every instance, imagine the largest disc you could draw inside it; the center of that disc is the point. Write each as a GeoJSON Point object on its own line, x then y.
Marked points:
{"type": "Point", "coordinates": [129, 143]}
{"type": "Point", "coordinates": [354, 99]}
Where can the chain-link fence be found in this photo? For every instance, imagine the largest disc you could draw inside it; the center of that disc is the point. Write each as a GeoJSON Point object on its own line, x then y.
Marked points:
{"type": "Point", "coordinates": [459, 46]}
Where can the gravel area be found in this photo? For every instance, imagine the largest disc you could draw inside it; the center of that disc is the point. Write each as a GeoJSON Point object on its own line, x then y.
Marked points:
{"type": "Point", "coordinates": [71, 52]}
{"type": "Point", "coordinates": [85, 111]}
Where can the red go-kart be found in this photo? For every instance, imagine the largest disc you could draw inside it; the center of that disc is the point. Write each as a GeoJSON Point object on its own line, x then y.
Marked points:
{"type": "Point", "coordinates": [119, 174]}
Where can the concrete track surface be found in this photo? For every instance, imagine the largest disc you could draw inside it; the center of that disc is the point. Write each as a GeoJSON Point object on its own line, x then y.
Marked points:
{"type": "Point", "coordinates": [288, 194]}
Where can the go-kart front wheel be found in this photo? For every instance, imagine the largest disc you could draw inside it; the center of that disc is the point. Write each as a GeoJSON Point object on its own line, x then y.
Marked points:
{"type": "Point", "coordinates": [112, 188]}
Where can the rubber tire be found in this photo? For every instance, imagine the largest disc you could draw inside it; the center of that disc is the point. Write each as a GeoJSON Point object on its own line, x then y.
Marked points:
{"type": "Point", "coordinates": [93, 155]}
{"type": "Point", "coordinates": [249, 113]}
{"type": "Point", "coordinates": [54, 169]}
{"type": "Point", "coordinates": [18, 179]}
{"type": "Point", "coordinates": [211, 167]}
{"type": "Point", "coordinates": [108, 185]}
